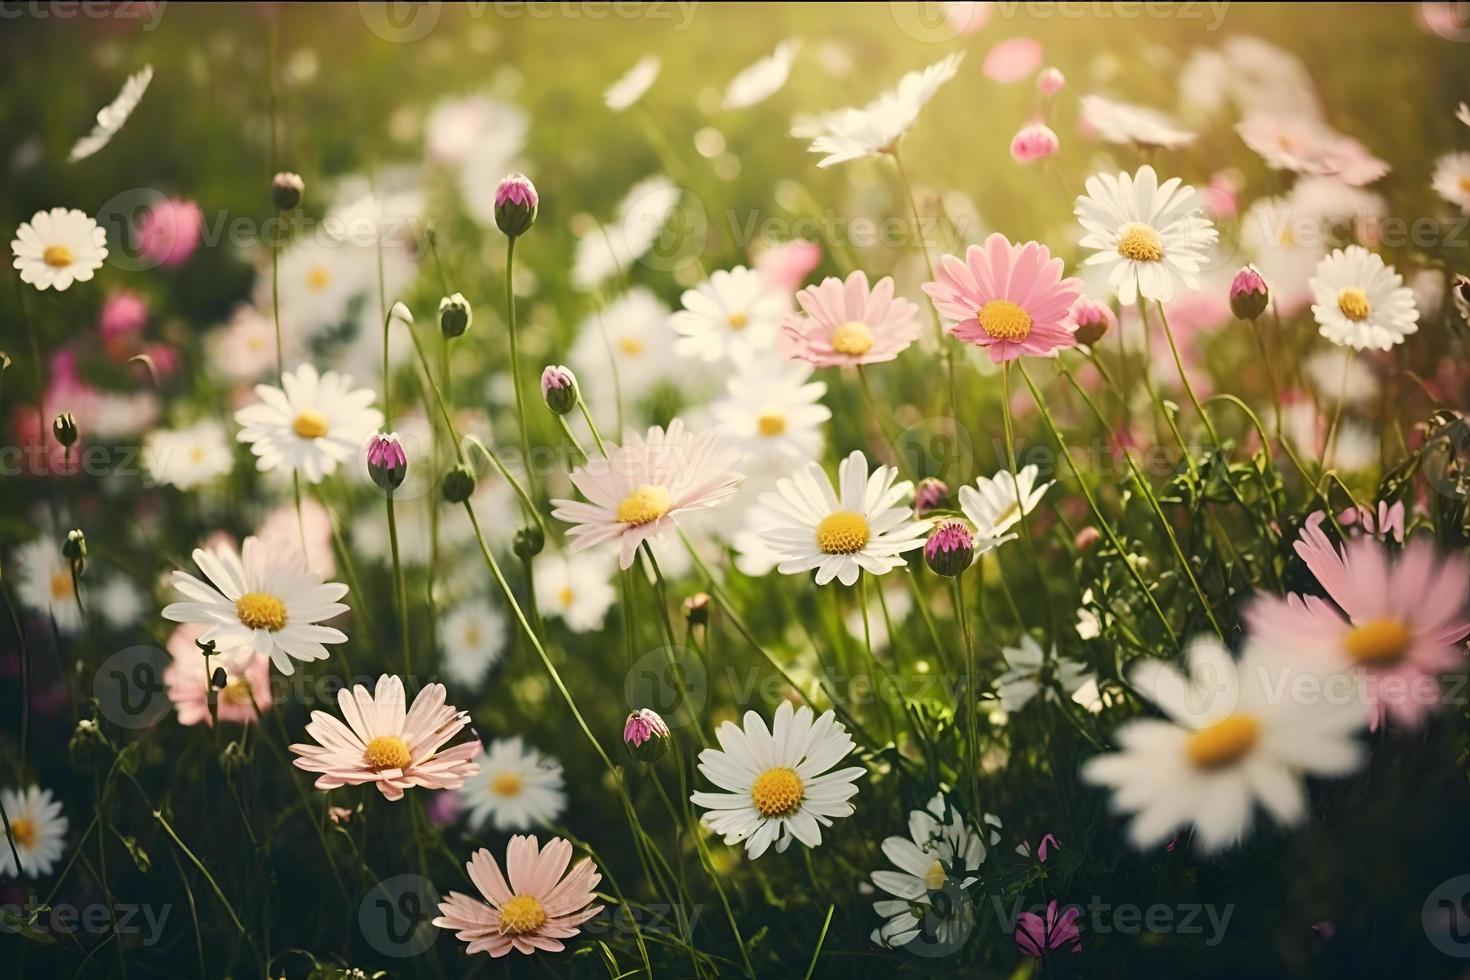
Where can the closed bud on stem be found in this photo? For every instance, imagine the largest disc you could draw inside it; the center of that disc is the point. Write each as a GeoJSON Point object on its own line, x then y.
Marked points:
{"type": "Point", "coordinates": [646, 735]}
{"type": "Point", "coordinates": [696, 609]}
{"type": "Point", "coordinates": [559, 388]}
{"type": "Point", "coordinates": [64, 427]}
{"type": "Point", "coordinates": [459, 484]}
{"type": "Point", "coordinates": [529, 541]}
{"type": "Point", "coordinates": [286, 190]}
{"type": "Point", "coordinates": [929, 494]}
{"type": "Point", "coordinates": [1248, 294]}
{"type": "Point", "coordinates": [950, 548]}
{"type": "Point", "coordinates": [455, 315]}
{"type": "Point", "coordinates": [75, 549]}
{"type": "Point", "coordinates": [515, 205]}
{"type": "Point", "coordinates": [1091, 321]}
{"type": "Point", "coordinates": [387, 463]}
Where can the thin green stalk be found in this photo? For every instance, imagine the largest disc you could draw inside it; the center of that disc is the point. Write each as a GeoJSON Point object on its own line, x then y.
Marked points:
{"type": "Point", "coordinates": [822, 938]}
{"type": "Point", "coordinates": [1184, 375]}
{"type": "Point", "coordinates": [972, 734]}
{"type": "Point", "coordinates": [400, 586]}
{"type": "Point", "coordinates": [596, 436]}
{"type": "Point", "coordinates": [515, 364]}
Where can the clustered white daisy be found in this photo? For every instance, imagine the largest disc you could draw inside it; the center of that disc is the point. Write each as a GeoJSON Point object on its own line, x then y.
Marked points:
{"type": "Point", "coordinates": [517, 788]}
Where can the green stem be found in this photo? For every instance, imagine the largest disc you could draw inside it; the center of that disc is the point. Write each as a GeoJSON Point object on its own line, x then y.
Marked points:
{"type": "Point", "coordinates": [515, 364]}
{"type": "Point", "coordinates": [400, 587]}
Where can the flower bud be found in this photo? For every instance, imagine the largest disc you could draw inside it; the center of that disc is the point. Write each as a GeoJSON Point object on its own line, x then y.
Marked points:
{"type": "Point", "coordinates": [459, 484]}
{"type": "Point", "coordinates": [455, 315]}
{"type": "Point", "coordinates": [401, 312]}
{"type": "Point", "coordinates": [529, 541]}
{"type": "Point", "coordinates": [286, 190]}
{"type": "Point", "coordinates": [64, 427]}
{"type": "Point", "coordinates": [559, 388]}
{"type": "Point", "coordinates": [515, 205]}
{"type": "Point", "coordinates": [929, 494]}
{"type": "Point", "coordinates": [75, 548]}
{"type": "Point", "coordinates": [1461, 295]}
{"type": "Point", "coordinates": [387, 463]}
{"type": "Point", "coordinates": [696, 609]}
{"type": "Point", "coordinates": [1051, 81]}
{"type": "Point", "coordinates": [1248, 294]}
{"type": "Point", "coordinates": [87, 744]}
{"type": "Point", "coordinates": [646, 735]}
{"type": "Point", "coordinates": [1034, 141]}
{"type": "Point", "coordinates": [220, 680]}
{"type": "Point", "coordinates": [950, 548]}
{"type": "Point", "coordinates": [1091, 321]}
{"type": "Point", "coordinates": [1086, 538]}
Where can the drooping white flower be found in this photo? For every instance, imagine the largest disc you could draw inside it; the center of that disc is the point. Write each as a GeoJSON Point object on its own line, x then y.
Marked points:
{"type": "Point", "coordinates": [110, 118]}
{"type": "Point", "coordinates": [1030, 671]}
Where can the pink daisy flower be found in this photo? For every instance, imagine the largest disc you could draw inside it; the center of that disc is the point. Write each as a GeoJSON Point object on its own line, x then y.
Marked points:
{"type": "Point", "coordinates": [1010, 299]}
{"type": "Point", "coordinates": [386, 746]}
{"type": "Point", "coordinates": [1400, 623]}
{"type": "Point", "coordinates": [847, 323]}
{"type": "Point", "coordinates": [1037, 937]}
{"type": "Point", "coordinates": [247, 680]}
{"type": "Point", "coordinates": [640, 488]}
{"type": "Point", "coordinates": [536, 909]}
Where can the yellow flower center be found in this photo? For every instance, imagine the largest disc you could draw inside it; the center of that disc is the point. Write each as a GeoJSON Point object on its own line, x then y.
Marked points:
{"type": "Point", "coordinates": [61, 585]}
{"type": "Point", "coordinates": [843, 532]}
{"type": "Point", "coordinates": [521, 914]}
{"type": "Point", "coordinates": [1223, 743]}
{"type": "Point", "coordinates": [387, 752]}
{"type": "Point", "coordinates": [261, 611]}
{"type": "Point", "coordinates": [1353, 303]}
{"type": "Point", "coordinates": [771, 424]}
{"type": "Point", "coordinates": [196, 454]}
{"type": "Point", "coordinates": [57, 256]}
{"type": "Point", "coordinates": [935, 877]}
{"type": "Point", "coordinates": [23, 829]}
{"type": "Point", "coordinates": [237, 691]}
{"type": "Point", "coordinates": [1004, 320]}
{"type": "Point", "coordinates": [631, 346]}
{"type": "Point", "coordinates": [854, 338]}
{"type": "Point", "coordinates": [309, 425]}
{"type": "Point", "coordinates": [506, 784]}
{"type": "Point", "coordinates": [317, 278]}
{"type": "Point", "coordinates": [472, 636]}
{"type": "Point", "coordinates": [1465, 184]}
{"type": "Point", "coordinates": [565, 595]}
{"type": "Point", "coordinates": [1140, 243]}
{"type": "Point", "coordinates": [1378, 643]}
{"type": "Point", "coordinates": [738, 320]}
{"type": "Point", "coordinates": [777, 792]}
{"type": "Point", "coordinates": [646, 504]}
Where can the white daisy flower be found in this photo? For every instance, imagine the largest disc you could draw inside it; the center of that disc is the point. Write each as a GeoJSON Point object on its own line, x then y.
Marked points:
{"type": "Point", "coordinates": [120, 603]}
{"type": "Point", "coordinates": [630, 88]}
{"type": "Point", "coordinates": [575, 590]}
{"type": "Point", "coordinates": [996, 504]}
{"type": "Point", "coordinates": [1231, 739]}
{"type": "Point", "coordinates": [851, 134]}
{"type": "Point", "coordinates": [1030, 671]}
{"type": "Point", "coordinates": [244, 349]}
{"type": "Point", "coordinates": [57, 248]}
{"type": "Point", "coordinates": [267, 602]}
{"type": "Point", "coordinates": [614, 247]}
{"type": "Point", "coordinates": [858, 526]}
{"type": "Point", "coordinates": [773, 411]}
{"type": "Point", "coordinates": [1119, 122]}
{"type": "Point", "coordinates": [630, 339]}
{"type": "Point", "coordinates": [38, 830]}
{"type": "Point", "coordinates": [110, 118]}
{"type": "Point", "coordinates": [518, 788]}
{"type": "Point", "coordinates": [1452, 179]}
{"type": "Point", "coordinates": [1360, 302]}
{"type": "Point", "coordinates": [44, 583]}
{"type": "Point", "coordinates": [1150, 236]}
{"type": "Point", "coordinates": [941, 854]}
{"type": "Point", "coordinates": [188, 457]}
{"type": "Point", "coordinates": [460, 128]}
{"type": "Point", "coordinates": [733, 311]}
{"type": "Point", "coordinates": [777, 783]}
{"type": "Point", "coordinates": [1285, 246]}
{"type": "Point", "coordinates": [762, 79]}
{"type": "Point", "coordinates": [473, 636]}
{"type": "Point", "coordinates": [315, 423]}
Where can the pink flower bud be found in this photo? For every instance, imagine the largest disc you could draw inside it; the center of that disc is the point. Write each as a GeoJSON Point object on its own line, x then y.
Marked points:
{"type": "Point", "coordinates": [1248, 294]}
{"type": "Point", "coordinates": [1051, 81]}
{"type": "Point", "coordinates": [1033, 142]}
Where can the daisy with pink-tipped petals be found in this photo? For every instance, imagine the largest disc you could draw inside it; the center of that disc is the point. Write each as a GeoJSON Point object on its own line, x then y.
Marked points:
{"type": "Point", "coordinates": [1398, 622]}
{"type": "Point", "coordinates": [533, 906]}
{"type": "Point", "coordinates": [1009, 299]}
{"type": "Point", "coordinates": [640, 488]}
{"type": "Point", "coordinates": [383, 745]}
{"type": "Point", "coordinates": [848, 323]}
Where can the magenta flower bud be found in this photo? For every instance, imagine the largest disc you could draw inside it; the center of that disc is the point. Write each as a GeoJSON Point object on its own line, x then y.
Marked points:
{"type": "Point", "coordinates": [1091, 321]}
{"type": "Point", "coordinates": [1248, 294]}
{"type": "Point", "coordinates": [1034, 141]}
{"type": "Point", "coordinates": [1051, 81]}
{"type": "Point", "coordinates": [515, 205]}
{"type": "Point", "coordinates": [386, 461]}
{"type": "Point", "coordinates": [929, 494]}
{"type": "Point", "coordinates": [950, 548]}
{"type": "Point", "coordinates": [559, 388]}
{"type": "Point", "coordinates": [646, 735]}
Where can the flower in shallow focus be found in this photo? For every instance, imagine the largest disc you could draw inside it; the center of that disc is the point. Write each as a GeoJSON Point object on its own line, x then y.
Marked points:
{"type": "Point", "coordinates": [1090, 321]}
{"type": "Point", "coordinates": [123, 314]}
{"type": "Point", "coordinates": [1036, 937]}
{"type": "Point", "coordinates": [189, 457]}
{"type": "Point", "coordinates": [534, 906]}
{"type": "Point", "coordinates": [639, 490]}
{"type": "Point", "coordinates": [1230, 740]}
{"type": "Point", "coordinates": [847, 323]}
{"type": "Point", "coordinates": [189, 680]}
{"type": "Point", "coordinates": [37, 831]}
{"type": "Point", "coordinates": [111, 117]}
{"type": "Point", "coordinates": [1149, 236]}
{"type": "Point", "coordinates": [1119, 122]}
{"type": "Point", "coordinates": [1398, 622]}
{"type": "Point", "coordinates": [559, 388]}
{"type": "Point", "coordinates": [1012, 60]}
{"type": "Point", "coordinates": [1248, 294]}
{"type": "Point", "coordinates": [776, 780]}
{"type": "Point", "coordinates": [1360, 302]}
{"type": "Point", "coordinates": [260, 599]}
{"type": "Point", "coordinates": [628, 89]}
{"type": "Point", "coordinates": [1034, 141]}
{"type": "Point", "coordinates": [57, 248]}
{"type": "Point", "coordinates": [860, 525]}
{"type": "Point", "coordinates": [518, 788]}
{"type": "Point", "coordinates": [614, 247]}
{"type": "Point", "coordinates": [734, 311]}
{"type": "Point", "coordinates": [762, 79]}
{"type": "Point", "coordinates": [169, 232]}
{"type": "Point", "coordinates": [851, 134]}
{"type": "Point", "coordinates": [631, 339]}
{"type": "Point", "coordinates": [950, 549]}
{"type": "Point", "coordinates": [1305, 145]}
{"type": "Point", "coordinates": [45, 583]}
{"type": "Point", "coordinates": [1008, 299]}
{"type": "Point", "coordinates": [310, 424]}
{"type": "Point", "coordinates": [384, 746]}
{"type": "Point", "coordinates": [1452, 179]}
{"type": "Point", "coordinates": [646, 735]}
{"type": "Point", "coordinates": [1051, 81]}
{"type": "Point", "coordinates": [576, 590]}
{"type": "Point", "coordinates": [1030, 671]}
{"type": "Point", "coordinates": [472, 634]}
{"type": "Point", "coordinates": [772, 411]}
